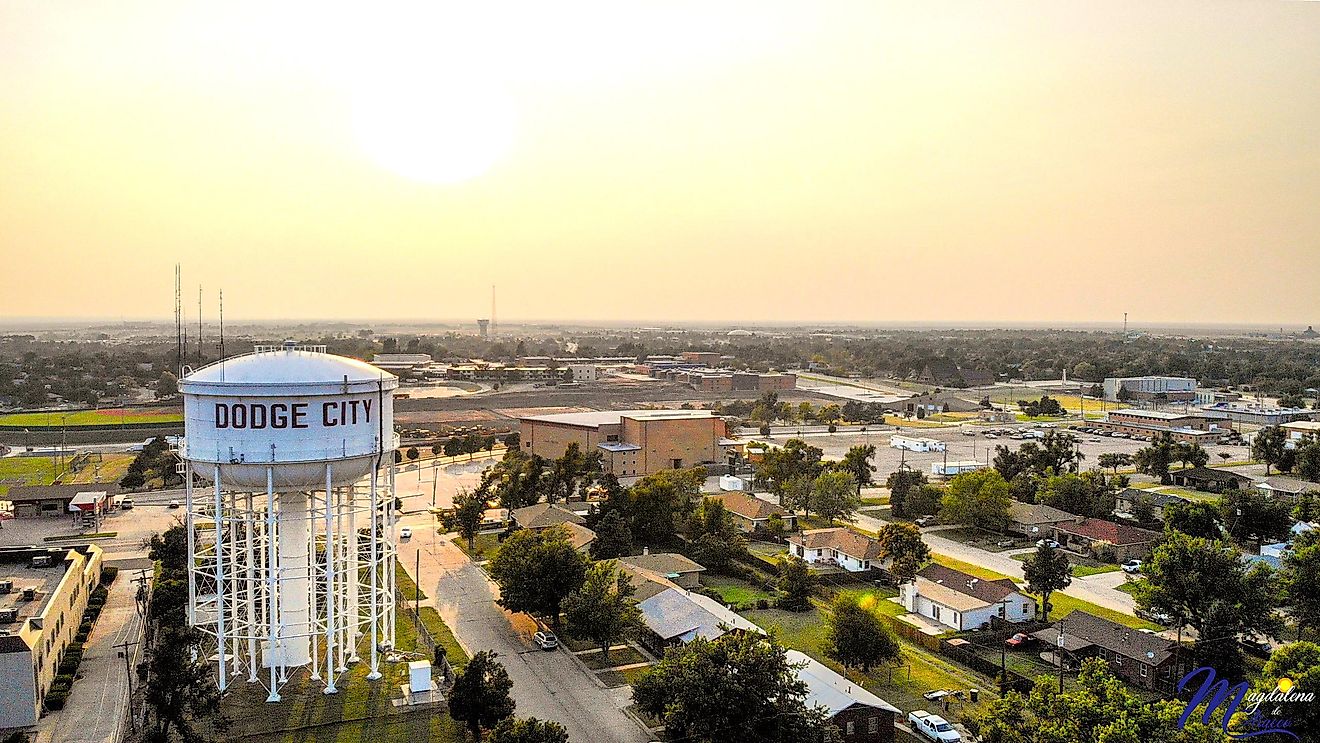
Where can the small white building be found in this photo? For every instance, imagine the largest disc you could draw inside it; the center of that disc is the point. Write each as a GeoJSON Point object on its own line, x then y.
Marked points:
{"type": "Point", "coordinates": [915, 443]}
{"type": "Point", "coordinates": [584, 372]}
{"type": "Point", "coordinates": [732, 482]}
{"type": "Point", "coordinates": [949, 469]}
{"type": "Point", "coordinates": [963, 602]}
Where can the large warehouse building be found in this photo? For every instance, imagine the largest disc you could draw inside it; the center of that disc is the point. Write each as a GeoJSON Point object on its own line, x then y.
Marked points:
{"type": "Point", "coordinates": [632, 442]}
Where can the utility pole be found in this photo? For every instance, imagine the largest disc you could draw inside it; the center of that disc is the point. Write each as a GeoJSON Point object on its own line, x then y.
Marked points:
{"type": "Point", "coordinates": [128, 672]}
{"type": "Point", "coordinates": [1059, 654]}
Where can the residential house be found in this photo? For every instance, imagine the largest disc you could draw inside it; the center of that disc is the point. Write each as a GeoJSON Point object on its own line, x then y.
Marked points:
{"type": "Point", "coordinates": [1083, 535]}
{"type": "Point", "coordinates": [1210, 480]}
{"type": "Point", "coordinates": [1128, 498]}
{"type": "Point", "coordinates": [961, 601]}
{"type": "Point", "coordinates": [751, 513]}
{"type": "Point", "coordinates": [1034, 519]}
{"type": "Point", "coordinates": [860, 716]}
{"type": "Point", "coordinates": [1140, 658]}
{"type": "Point", "coordinates": [683, 572]}
{"type": "Point", "coordinates": [1287, 486]}
{"type": "Point", "coordinates": [542, 515]}
{"type": "Point", "coordinates": [837, 546]}
{"type": "Point", "coordinates": [675, 616]}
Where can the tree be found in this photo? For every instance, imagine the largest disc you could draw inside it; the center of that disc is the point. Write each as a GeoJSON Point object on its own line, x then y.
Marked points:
{"type": "Point", "coordinates": [167, 385]}
{"type": "Point", "coordinates": [180, 689]}
{"type": "Point", "coordinates": [480, 696]}
{"type": "Point", "coordinates": [512, 440]}
{"type": "Point", "coordinates": [1301, 585]}
{"type": "Point", "coordinates": [796, 582]}
{"type": "Point", "coordinates": [1099, 708]}
{"type": "Point", "coordinates": [1270, 446]}
{"type": "Point", "coordinates": [1143, 509]}
{"type": "Point", "coordinates": [902, 546]}
{"type": "Point", "coordinates": [1195, 518]}
{"type": "Point", "coordinates": [536, 570]}
{"type": "Point", "coordinates": [657, 500]}
{"type": "Point", "coordinates": [1154, 460]}
{"type": "Point", "coordinates": [1114, 460]}
{"type": "Point", "coordinates": [1191, 454]}
{"type": "Point", "coordinates": [412, 453]}
{"type": "Point", "coordinates": [1047, 570]}
{"type": "Point", "coordinates": [796, 495]}
{"type": "Point", "coordinates": [833, 496]}
{"type": "Point", "coordinates": [602, 609]}
{"type": "Point", "coordinates": [716, 541]}
{"type": "Point", "coordinates": [1300, 663]}
{"type": "Point", "coordinates": [1291, 401]}
{"type": "Point", "coordinates": [900, 483]}
{"type": "Point", "coordinates": [527, 730]}
{"type": "Point", "coordinates": [792, 460]}
{"type": "Point", "coordinates": [925, 500]}
{"type": "Point", "coordinates": [1202, 584]}
{"type": "Point", "coordinates": [856, 636]}
{"type": "Point", "coordinates": [1087, 494]}
{"type": "Point", "coordinates": [739, 687]}
{"type": "Point", "coordinates": [1251, 515]}
{"type": "Point", "coordinates": [613, 537]}
{"type": "Point", "coordinates": [466, 515]}
{"type": "Point", "coordinates": [978, 498]}
{"type": "Point", "coordinates": [857, 462]}
{"type": "Point", "coordinates": [1306, 456]}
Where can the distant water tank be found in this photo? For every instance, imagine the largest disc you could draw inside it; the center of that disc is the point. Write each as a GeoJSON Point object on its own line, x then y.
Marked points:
{"type": "Point", "coordinates": [296, 407]}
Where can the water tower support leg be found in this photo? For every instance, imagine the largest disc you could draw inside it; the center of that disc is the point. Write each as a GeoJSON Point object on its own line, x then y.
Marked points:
{"type": "Point", "coordinates": [251, 590]}
{"type": "Point", "coordinates": [272, 652]}
{"type": "Point", "coordinates": [314, 611]}
{"type": "Point", "coordinates": [331, 555]}
{"type": "Point", "coordinates": [222, 644]}
{"type": "Point", "coordinates": [375, 570]}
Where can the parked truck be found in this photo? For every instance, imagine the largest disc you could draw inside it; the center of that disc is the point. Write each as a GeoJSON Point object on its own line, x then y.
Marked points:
{"type": "Point", "coordinates": [933, 727]}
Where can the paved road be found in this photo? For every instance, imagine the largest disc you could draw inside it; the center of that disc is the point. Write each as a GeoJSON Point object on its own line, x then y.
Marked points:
{"type": "Point", "coordinates": [1099, 589]}
{"type": "Point", "coordinates": [96, 702]}
{"type": "Point", "coordinates": [545, 685]}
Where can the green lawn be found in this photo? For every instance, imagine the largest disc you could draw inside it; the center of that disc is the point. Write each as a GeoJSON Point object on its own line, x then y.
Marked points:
{"type": "Point", "coordinates": [919, 671]}
{"type": "Point", "coordinates": [618, 657]}
{"type": "Point", "coordinates": [735, 590]}
{"type": "Point", "coordinates": [878, 500]}
{"type": "Point", "coordinates": [442, 635]}
{"type": "Point", "coordinates": [1065, 605]}
{"type": "Point", "coordinates": [967, 567]}
{"type": "Point", "coordinates": [405, 584]}
{"type": "Point", "coordinates": [626, 677]}
{"type": "Point", "coordinates": [360, 711]}
{"type": "Point", "coordinates": [1130, 588]}
{"type": "Point", "coordinates": [877, 599]}
{"type": "Point", "coordinates": [483, 546]}
{"type": "Point", "coordinates": [1079, 569]}
{"type": "Point", "coordinates": [109, 416]}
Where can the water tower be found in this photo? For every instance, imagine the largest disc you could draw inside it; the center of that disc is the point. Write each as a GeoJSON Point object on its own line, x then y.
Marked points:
{"type": "Point", "coordinates": [289, 463]}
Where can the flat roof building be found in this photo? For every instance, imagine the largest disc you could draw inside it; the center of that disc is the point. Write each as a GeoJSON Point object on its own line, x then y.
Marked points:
{"type": "Point", "coordinates": [43, 594]}
{"type": "Point", "coordinates": [631, 442]}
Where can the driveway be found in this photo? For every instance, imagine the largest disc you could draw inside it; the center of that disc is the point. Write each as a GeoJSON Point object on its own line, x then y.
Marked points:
{"type": "Point", "coordinates": [547, 685]}
{"type": "Point", "coordinates": [1099, 589]}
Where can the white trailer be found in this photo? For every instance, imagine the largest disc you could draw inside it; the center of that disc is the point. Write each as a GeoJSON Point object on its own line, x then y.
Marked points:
{"type": "Point", "coordinates": [949, 469]}
{"type": "Point", "coordinates": [915, 443]}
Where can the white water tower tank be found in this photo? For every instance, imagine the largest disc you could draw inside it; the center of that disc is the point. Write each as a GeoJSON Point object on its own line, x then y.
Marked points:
{"type": "Point", "coordinates": [297, 408]}
{"type": "Point", "coordinates": [288, 457]}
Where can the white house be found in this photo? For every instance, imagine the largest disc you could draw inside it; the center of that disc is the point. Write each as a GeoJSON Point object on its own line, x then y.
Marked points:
{"type": "Point", "coordinates": [915, 443]}
{"type": "Point", "coordinates": [584, 372]}
{"type": "Point", "coordinates": [838, 546]}
{"type": "Point", "coordinates": [961, 601]}
{"type": "Point", "coordinates": [1298, 429]}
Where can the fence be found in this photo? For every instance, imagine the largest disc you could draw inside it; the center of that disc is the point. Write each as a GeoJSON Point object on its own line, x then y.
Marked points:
{"type": "Point", "coordinates": [963, 652]}
{"type": "Point", "coordinates": [424, 638]}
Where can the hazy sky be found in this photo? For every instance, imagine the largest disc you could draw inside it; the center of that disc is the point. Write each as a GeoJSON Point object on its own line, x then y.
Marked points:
{"type": "Point", "coordinates": [828, 161]}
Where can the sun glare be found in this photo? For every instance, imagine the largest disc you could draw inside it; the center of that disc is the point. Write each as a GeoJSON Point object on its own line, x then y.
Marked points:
{"type": "Point", "coordinates": [434, 130]}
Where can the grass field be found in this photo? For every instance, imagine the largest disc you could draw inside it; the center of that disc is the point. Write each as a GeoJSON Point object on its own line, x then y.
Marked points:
{"type": "Point", "coordinates": [483, 546]}
{"type": "Point", "coordinates": [1079, 570]}
{"type": "Point", "coordinates": [967, 567]}
{"type": "Point", "coordinates": [626, 677]}
{"type": "Point", "coordinates": [405, 584]}
{"type": "Point", "coordinates": [361, 711]}
{"type": "Point", "coordinates": [43, 470]}
{"type": "Point", "coordinates": [618, 657]}
{"type": "Point", "coordinates": [734, 590]}
{"type": "Point", "coordinates": [919, 671]}
{"type": "Point", "coordinates": [1130, 588]}
{"type": "Point", "coordinates": [109, 416]}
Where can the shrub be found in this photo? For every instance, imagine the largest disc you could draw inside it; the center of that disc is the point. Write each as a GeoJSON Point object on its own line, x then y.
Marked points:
{"type": "Point", "coordinates": [99, 595]}
{"type": "Point", "coordinates": [85, 629]}
{"type": "Point", "coordinates": [108, 574]}
{"type": "Point", "coordinates": [56, 698]}
{"type": "Point", "coordinates": [64, 680]}
{"type": "Point", "coordinates": [763, 604]}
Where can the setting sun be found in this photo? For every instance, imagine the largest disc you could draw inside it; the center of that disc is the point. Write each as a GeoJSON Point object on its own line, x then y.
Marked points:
{"type": "Point", "coordinates": [439, 131]}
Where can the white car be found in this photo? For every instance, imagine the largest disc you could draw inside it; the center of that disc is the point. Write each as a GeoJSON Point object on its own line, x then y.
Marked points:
{"type": "Point", "coordinates": [545, 640]}
{"type": "Point", "coordinates": [933, 727]}
{"type": "Point", "coordinates": [405, 532]}
{"type": "Point", "coordinates": [1132, 566]}
{"type": "Point", "coordinates": [1043, 542]}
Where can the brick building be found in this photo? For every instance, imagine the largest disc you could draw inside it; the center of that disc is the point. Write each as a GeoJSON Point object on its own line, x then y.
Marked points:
{"type": "Point", "coordinates": [631, 442]}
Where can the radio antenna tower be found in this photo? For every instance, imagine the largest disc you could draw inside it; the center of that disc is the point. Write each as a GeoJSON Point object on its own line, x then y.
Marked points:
{"type": "Point", "coordinates": [199, 326]}
{"type": "Point", "coordinates": [494, 326]}
{"type": "Point", "coordinates": [178, 317]}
